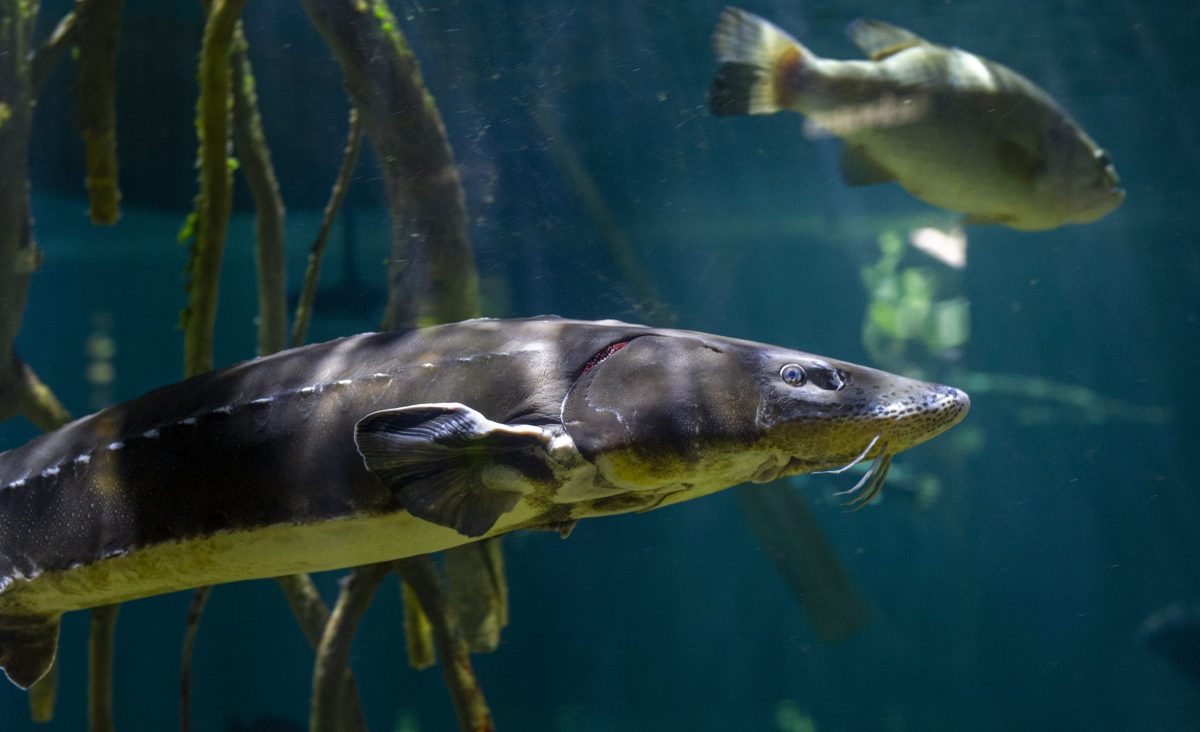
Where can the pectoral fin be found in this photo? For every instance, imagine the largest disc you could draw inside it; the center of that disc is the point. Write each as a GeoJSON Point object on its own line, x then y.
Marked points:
{"type": "Point", "coordinates": [859, 169]}
{"type": "Point", "coordinates": [878, 40]}
{"type": "Point", "coordinates": [27, 646]}
{"type": "Point", "coordinates": [450, 465]}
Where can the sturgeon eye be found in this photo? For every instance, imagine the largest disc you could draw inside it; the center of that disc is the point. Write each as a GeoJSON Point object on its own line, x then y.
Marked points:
{"type": "Point", "coordinates": [793, 375]}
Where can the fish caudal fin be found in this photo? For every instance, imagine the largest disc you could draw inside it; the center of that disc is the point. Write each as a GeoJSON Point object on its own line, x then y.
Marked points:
{"type": "Point", "coordinates": [760, 65]}
{"type": "Point", "coordinates": [27, 647]}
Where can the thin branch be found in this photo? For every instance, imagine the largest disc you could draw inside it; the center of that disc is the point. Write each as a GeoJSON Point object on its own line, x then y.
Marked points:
{"type": "Point", "coordinates": [432, 276]}
{"type": "Point", "coordinates": [477, 592]}
{"type": "Point", "coordinates": [97, 30]}
{"type": "Point", "coordinates": [418, 631]}
{"type": "Point", "coordinates": [420, 574]}
{"type": "Point", "coordinates": [333, 654]}
{"type": "Point", "coordinates": [199, 598]}
{"type": "Point", "coordinates": [308, 295]}
{"type": "Point", "coordinates": [312, 615]}
{"type": "Point", "coordinates": [21, 391]}
{"type": "Point", "coordinates": [216, 182]}
{"type": "Point", "coordinates": [254, 157]}
{"type": "Point", "coordinates": [100, 668]}
{"type": "Point", "coordinates": [306, 604]}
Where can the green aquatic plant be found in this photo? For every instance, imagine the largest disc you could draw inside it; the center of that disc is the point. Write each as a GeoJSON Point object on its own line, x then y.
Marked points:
{"type": "Point", "coordinates": [790, 717]}
{"type": "Point", "coordinates": [904, 308]}
{"type": "Point", "coordinates": [912, 314]}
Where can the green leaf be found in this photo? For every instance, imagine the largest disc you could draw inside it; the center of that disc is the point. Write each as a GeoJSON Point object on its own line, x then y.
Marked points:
{"type": "Point", "coordinates": [188, 230]}
{"type": "Point", "coordinates": [949, 325]}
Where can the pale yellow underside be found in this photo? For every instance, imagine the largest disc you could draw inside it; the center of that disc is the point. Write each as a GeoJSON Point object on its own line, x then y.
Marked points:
{"type": "Point", "coordinates": [239, 555]}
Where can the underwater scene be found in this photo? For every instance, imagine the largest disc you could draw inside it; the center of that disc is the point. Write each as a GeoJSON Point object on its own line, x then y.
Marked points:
{"type": "Point", "coordinates": [837, 368]}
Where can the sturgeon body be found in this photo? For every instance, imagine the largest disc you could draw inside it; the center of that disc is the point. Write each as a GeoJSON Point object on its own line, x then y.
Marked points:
{"type": "Point", "coordinates": [382, 446]}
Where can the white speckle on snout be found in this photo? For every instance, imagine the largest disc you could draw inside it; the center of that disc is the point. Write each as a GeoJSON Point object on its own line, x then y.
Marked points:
{"type": "Point", "coordinates": [150, 434]}
{"type": "Point", "coordinates": [83, 459]}
{"type": "Point", "coordinates": [190, 421]}
{"type": "Point", "coordinates": [227, 409]}
{"type": "Point", "coordinates": [308, 390]}
{"type": "Point", "coordinates": [114, 446]}
{"type": "Point", "coordinates": [50, 472]}
{"type": "Point", "coordinates": [344, 382]}
{"type": "Point", "coordinates": [262, 402]}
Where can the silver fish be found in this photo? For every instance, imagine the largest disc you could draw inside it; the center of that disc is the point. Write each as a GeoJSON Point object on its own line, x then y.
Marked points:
{"type": "Point", "coordinates": [954, 129]}
{"type": "Point", "coordinates": [383, 446]}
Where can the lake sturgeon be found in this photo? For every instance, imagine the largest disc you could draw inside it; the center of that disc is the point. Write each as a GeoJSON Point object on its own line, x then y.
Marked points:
{"type": "Point", "coordinates": [388, 445]}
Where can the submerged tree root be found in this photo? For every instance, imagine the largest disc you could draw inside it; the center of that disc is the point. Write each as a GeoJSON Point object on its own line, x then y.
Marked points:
{"type": "Point", "coordinates": [313, 617]}
{"type": "Point", "coordinates": [22, 392]}
{"type": "Point", "coordinates": [199, 599]}
{"type": "Point", "coordinates": [100, 668]}
{"type": "Point", "coordinates": [96, 33]}
{"type": "Point", "coordinates": [216, 185]}
{"type": "Point", "coordinates": [254, 157]}
{"type": "Point", "coordinates": [308, 295]}
{"type": "Point", "coordinates": [42, 695]}
{"type": "Point", "coordinates": [333, 653]}
{"type": "Point", "coordinates": [432, 276]}
{"type": "Point", "coordinates": [422, 577]}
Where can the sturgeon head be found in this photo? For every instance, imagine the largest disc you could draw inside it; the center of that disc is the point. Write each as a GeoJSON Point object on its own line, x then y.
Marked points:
{"type": "Point", "coordinates": [675, 415]}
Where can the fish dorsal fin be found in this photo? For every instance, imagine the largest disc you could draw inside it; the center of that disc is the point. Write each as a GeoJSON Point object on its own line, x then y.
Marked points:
{"type": "Point", "coordinates": [878, 40]}
{"type": "Point", "coordinates": [448, 464]}
{"type": "Point", "coordinates": [859, 169]}
{"type": "Point", "coordinates": [27, 646]}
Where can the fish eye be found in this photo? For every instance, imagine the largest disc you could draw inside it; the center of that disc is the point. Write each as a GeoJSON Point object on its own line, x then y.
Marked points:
{"type": "Point", "coordinates": [1103, 159]}
{"type": "Point", "coordinates": [793, 375]}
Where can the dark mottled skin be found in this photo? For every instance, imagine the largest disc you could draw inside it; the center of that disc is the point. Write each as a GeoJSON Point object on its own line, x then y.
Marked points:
{"type": "Point", "coordinates": [290, 460]}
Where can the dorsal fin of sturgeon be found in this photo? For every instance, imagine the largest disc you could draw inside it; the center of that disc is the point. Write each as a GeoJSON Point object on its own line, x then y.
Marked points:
{"type": "Point", "coordinates": [450, 465]}
{"type": "Point", "coordinates": [878, 40]}
{"type": "Point", "coordinates": [27, 646]}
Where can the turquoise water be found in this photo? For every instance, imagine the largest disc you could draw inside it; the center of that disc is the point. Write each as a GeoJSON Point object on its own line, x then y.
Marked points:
{"type": "Point", "coordinates": [1067, 511]}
